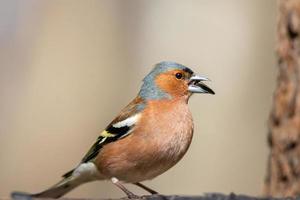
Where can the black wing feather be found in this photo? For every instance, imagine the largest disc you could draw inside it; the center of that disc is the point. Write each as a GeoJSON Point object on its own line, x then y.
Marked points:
{"type": "Point", "coordinates": [135, 107]}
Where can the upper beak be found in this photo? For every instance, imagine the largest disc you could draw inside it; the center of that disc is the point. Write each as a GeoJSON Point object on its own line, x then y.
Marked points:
{"type": "Point", "coordinates": [196, 86]}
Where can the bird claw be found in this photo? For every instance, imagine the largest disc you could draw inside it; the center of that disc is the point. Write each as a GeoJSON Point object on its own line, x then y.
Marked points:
{"type": "Point", "coordinates": [134, 196]}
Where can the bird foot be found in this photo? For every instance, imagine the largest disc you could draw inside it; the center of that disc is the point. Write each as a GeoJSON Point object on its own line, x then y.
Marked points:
{"type": "Point", "coordinates": [133, 196]}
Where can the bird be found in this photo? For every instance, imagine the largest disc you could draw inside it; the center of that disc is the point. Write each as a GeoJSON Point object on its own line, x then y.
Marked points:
{"type": "Point", "coordinates": [148, 137]}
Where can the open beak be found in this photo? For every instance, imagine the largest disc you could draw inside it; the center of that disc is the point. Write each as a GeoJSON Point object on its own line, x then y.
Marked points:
{"type": "Point", "coordinates": [197, 86]}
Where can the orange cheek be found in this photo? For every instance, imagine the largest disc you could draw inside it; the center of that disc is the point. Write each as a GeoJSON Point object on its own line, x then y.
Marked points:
{"type": "Point", "coordinates": [171, 85]}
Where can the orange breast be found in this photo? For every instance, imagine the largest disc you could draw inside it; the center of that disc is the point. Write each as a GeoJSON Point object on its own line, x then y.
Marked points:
{"type": "Point", "coordinates": [159, 141]}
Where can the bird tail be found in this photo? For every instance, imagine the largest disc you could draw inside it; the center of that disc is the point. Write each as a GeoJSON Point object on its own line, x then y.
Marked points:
{"type": "Point", "coordinates": [84, 172]}
{"type": "Point", "coordinates": [56, 191]}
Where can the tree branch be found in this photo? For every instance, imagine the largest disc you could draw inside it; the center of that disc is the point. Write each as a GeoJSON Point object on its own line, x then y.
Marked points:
{"type": "Point", "coordinates": [209, 196]}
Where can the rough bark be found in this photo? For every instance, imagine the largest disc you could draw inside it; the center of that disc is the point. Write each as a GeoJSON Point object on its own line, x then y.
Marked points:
{"type": "Point", "coordinates": [283, 173]}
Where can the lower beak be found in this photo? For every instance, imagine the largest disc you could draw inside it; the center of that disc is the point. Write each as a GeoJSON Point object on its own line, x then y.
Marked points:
{"type": "Point", "coordinates": [197, 86]}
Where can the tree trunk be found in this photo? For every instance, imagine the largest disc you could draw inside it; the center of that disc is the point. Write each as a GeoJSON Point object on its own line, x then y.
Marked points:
{"type": "Point", "coordinates": [283, 173]}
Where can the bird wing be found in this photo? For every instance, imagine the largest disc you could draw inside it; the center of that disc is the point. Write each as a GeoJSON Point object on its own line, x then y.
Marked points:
{"type": "Point", "coordinates": [119, 128]}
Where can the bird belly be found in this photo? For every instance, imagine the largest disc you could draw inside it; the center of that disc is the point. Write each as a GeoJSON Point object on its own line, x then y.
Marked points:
{"type": "Point", "coordinates": [143, 164]}
{"type": "Point", "coordinates": [153, 154]}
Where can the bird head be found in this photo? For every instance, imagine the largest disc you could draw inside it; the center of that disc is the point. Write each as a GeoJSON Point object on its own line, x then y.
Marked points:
{"type": "Point", "coordinates": [169, 80]}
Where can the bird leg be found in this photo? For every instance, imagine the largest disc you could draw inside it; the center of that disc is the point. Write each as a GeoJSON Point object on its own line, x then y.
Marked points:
{"type": "Point", "coordinates": [129, 194]}
{"type": "Point", "coordinates": [146, 188]}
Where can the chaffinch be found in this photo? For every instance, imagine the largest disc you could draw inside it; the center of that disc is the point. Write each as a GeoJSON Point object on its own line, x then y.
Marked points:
{"type": "Point", "coordinates": [148, 137]}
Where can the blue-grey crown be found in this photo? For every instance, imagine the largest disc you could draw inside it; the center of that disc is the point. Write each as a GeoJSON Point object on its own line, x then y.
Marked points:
{"type": "Point", "coordinates": [149, 89]}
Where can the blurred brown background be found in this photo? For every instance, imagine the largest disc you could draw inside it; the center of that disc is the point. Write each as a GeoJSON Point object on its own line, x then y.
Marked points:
{"type": "Point", "coordinates": [68, 67]}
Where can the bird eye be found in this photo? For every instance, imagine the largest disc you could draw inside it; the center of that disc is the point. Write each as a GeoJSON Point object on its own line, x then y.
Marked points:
{"type": "Point", "coordinates": [178, 75]}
